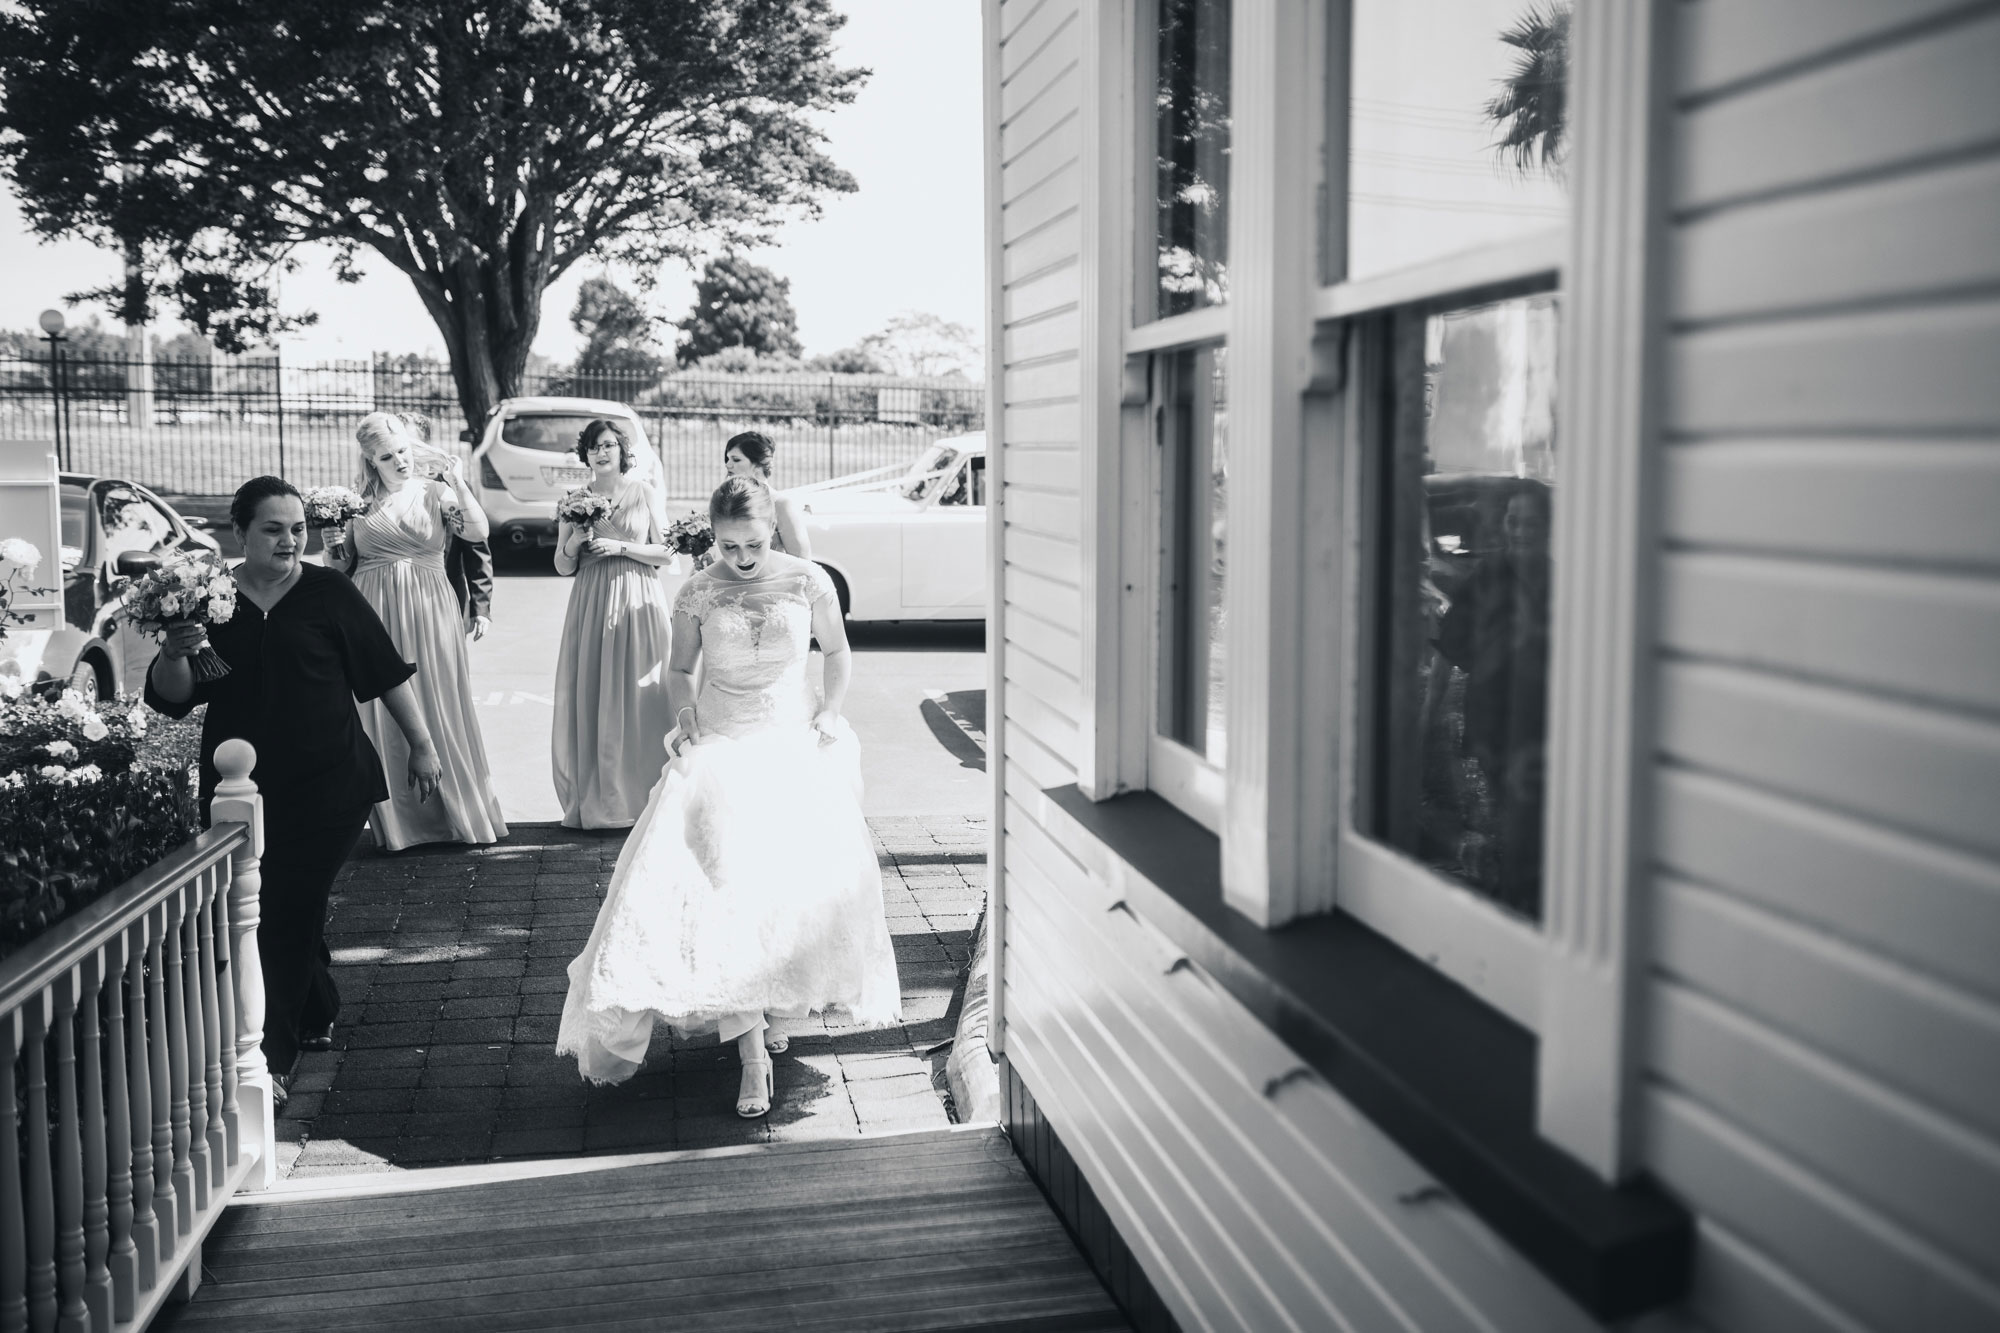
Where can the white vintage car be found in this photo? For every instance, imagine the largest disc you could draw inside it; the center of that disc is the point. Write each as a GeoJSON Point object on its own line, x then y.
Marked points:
{"type": "Point", "coordinates": [906, 543]}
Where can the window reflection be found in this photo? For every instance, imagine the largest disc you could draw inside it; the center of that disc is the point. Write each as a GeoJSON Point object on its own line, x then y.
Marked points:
{"type": "Point", "coordinates": [1191, 155]}
{"type": "Point", "coordinates": [1194, 493]}
{"type": "Point", "coordinates": [1462, 612]}
{"type": "Point", "coordinates": [1457, 129]}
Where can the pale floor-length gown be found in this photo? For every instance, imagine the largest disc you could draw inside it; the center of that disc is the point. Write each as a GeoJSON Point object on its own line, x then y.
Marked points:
{"type": "Point", "coordinates": [749, 886]}
{"type": "Point", "coordinates": [611, 710]}
{"type": "Point", "coordinates": [400, 547]}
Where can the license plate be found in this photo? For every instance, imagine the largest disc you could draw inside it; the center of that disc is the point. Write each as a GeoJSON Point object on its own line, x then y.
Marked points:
{"type": "Point", "coordinates": [565, 476]}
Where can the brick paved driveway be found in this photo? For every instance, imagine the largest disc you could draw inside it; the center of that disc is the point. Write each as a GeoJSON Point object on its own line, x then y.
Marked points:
{"type": "Point", "coordinates": [451, 961]}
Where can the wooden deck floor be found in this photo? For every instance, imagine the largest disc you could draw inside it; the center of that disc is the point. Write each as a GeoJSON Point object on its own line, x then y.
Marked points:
{"type": "Point", "coordinates": [938, 1230]}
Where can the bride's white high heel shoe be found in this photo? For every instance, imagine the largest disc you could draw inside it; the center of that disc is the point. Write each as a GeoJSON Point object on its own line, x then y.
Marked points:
{"type": "Point", "coordinates": [776, 1042]}
{"type": "Point", "coordinates": [753, 1098]}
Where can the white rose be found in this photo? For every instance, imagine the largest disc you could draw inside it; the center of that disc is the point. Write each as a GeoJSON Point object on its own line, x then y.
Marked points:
{"type": "Point", "coordinates": [137, 721]}
{"type": "Point", "coordinates": [170, 603]}
{"type": "Point", "coordinates": [88, 773]}
{"type": "Point", "coordinates": [18, 551]}
{"type": "Point", "coordinates": [74, 706]}
{"type": "Point", "coordinates": [60, 750]}
{"type": "Point", "coordinates": [94, 728]}
{"type": "Point", "coordinates": [52, 771]}
{"type": "Point", "coordinates": [219, 610]}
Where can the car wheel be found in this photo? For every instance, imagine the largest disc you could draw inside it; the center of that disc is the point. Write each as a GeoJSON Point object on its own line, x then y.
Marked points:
{"type": "Point", "coordinates": [87, 679]}
{"type": "Point", "coordinates": [840, 587]}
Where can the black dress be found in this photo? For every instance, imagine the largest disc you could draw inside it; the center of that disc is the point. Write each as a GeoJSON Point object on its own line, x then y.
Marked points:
{"type": "Point", "coordinates": [295, 675]}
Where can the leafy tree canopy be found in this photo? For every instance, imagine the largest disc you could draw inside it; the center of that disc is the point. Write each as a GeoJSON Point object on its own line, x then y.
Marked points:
{"type": "Point", "coordinates": [480, 146]}
{"type": "Point", "coordinates": [739, 304]}
{"type": "Point", "coordinates": [617, 331]}
{"type": "Point", "coordinates": [919, 344]}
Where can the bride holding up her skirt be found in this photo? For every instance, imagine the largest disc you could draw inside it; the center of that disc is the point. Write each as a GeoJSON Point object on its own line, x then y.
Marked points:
{"type": "Point", "coordinates": [749, 888]}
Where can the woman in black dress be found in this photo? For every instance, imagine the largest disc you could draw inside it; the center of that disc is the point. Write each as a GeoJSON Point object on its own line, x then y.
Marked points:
{"type": "Point", "coordinates": [302, 647]}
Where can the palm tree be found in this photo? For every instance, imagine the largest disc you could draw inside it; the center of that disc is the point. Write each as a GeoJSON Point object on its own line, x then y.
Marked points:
{"type": "Point", "coordinates": [1531, 111]}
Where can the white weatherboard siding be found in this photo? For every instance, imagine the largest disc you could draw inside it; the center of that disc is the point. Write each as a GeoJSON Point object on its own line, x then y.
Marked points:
{"type": "Point", "coordinates": [1822, 1037]}
{"type": "Point", "coordinates": [1040, 133]}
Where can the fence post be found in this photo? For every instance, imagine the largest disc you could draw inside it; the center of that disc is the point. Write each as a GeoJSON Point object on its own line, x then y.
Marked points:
{"type": "Point", "coordinates": [278, 383]}
{"type": "Point", "coordinates": [236, 801]}
{"type": "Point", "coordinates": [832, 416]}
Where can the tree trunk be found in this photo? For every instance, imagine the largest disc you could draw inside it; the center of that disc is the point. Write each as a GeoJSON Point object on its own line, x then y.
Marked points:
{"type": "Point", "coordinates": [489, 313]}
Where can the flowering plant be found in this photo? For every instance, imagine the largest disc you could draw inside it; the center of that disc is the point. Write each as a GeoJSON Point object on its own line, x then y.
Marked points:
{"type": "Point", "coordinates": [189, 588]}
{"type": "Point", "coordinates": [692, 535]}
{"type": "Point", "coordinates": [18, 561]}
{"type": "Point", "coordinates": [331, 506]}
{"type": "Point", "coordinates": [90, 795]}
{"type": "Point", "coordinates": [583, 508]}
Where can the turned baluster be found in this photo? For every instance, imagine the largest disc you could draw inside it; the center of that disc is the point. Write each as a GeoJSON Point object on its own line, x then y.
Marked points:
{"type": "Point", "coordinates": [74, 1314]}
{"type": "Point", "coordinates": [96, 1203]}
{"type": "Point", "coordinates": [41, 1190]}
{"type": "Point", "coordinates": [121, 1259]}
{"type": "Point", "coordinates": [225, 1021]}
{"type": "Point", "coordinates": [175, 998]}
{"type": "Point", "coordinates": [193, 1028]}
{"type": "Point", "coordinates": [211, 1032]}
{"type": "Point", "coordinates": [236, 801]}
{"type": "Point", "coordinates": [139, 1079]}
{"type": "Point", "coordinates": [13, 1224]}
{"type": "Point", "coordinates": [166, 1206]}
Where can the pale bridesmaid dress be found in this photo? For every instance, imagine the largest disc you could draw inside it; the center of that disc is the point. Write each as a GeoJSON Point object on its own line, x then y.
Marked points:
{"type": "Point", "coordinates": [400, 548]}
{"type": "Point", "coordinates": [612, 717]}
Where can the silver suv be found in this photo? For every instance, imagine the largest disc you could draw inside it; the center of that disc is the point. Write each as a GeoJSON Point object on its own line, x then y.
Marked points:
{"type": "Point", "coordinates": [525, 458]}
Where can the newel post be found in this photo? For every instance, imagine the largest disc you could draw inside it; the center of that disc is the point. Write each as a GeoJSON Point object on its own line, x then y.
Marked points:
{"type": "Point", "coordinates": [237, 802]}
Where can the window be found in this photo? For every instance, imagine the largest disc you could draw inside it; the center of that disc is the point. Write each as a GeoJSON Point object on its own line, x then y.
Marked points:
{"type": "Point", "coordinates": [1460, 611]}
{"type": "Point", "coordinates": [1455, 130]}
{"type": "Point", "coordinates": [1190, 154]}
{"type": "Point", "coordinates": [131, 522]}
{"type": "Point", "coordinates": [1194, 519]}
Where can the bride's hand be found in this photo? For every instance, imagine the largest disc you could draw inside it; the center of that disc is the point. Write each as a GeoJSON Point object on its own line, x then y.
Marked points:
{"type": "Point", "coordinates": [690, 730]}
{"type": "Point", "coordinates": [827, 724]}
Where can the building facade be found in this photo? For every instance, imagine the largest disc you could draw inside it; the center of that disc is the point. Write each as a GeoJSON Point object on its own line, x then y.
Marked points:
{"type": "Point", "coordinates": [1496, 656]}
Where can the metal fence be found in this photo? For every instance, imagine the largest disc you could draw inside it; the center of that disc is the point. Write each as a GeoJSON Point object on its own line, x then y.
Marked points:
{"type": "Point", "coordinates": [203, 427]}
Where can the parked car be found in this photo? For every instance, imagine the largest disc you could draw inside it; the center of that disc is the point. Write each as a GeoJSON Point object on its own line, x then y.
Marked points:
{"type": "Point", "coordinates": [906, 543]}
{"type": "Point", "coordinates": [112, 532]}
{"type": "Point", "coordinates": [524, 458]}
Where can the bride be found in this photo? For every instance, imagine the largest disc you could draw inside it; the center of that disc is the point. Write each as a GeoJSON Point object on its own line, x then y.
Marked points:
{"type": "Point", "coordinates": [749, 888]}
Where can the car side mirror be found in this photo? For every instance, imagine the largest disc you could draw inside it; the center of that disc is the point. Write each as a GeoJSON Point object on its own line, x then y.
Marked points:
{"type": "Point", "coordinates": [137, 564]}
{"type": "Point", "coordinates": [197, 522]}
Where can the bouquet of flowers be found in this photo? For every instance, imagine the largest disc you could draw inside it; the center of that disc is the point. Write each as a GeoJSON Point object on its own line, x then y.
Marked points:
{"type": "Point", "coordinates": [185, 588]}
{"type": "Point", "coordinates": [692, 536]}
{"type": "Point", "coordinates": [331, 506]}
{"type": "Point", "coordinates": [583, 508]}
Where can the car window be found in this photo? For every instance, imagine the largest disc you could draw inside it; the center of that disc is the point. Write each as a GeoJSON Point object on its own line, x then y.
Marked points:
{"type": "Point", "coordinates": [955, 487]}
{"type": "Point", "coordinates": [553, 433]}
{"type": "Point", "coordinates": [75, 505]}
{"type": "Point", "coordinates": [131, 522]}
{"type": "Point", "coordinates": [924, 473]}
{"type": "Point", "coordinates": [979, 479]}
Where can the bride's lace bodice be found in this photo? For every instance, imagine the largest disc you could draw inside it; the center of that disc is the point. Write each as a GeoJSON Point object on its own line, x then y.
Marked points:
{"type": "Point", "coordinates": [755, 644]}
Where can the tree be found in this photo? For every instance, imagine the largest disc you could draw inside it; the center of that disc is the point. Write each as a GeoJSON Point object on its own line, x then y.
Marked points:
{"type": "Point", "coordinates": [617, 331]}
{"type": "Point", "coordinates": [739, 304]}
{"type": "Point", "coordinates": [924, 345]}
{"type": "Point", "coordinates": [482, 147]}
{"type": "Point", "coordinates": [1531, 111]}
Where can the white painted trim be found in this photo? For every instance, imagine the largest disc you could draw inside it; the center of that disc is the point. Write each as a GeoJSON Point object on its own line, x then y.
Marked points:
{"type": "Point", "coordinates": [1210, 324]}
{"type": "Point", "coordinates": [1600, 677]}
{"type": "Point", "coordinates": [1104, 287]}
{"type": "Point", "coordinates": [1272, 269]}
{"type": "Point", "coordinates": [1495, 956]}
{"type": "Point", "coordinates": [1187, 781]}
{"type": "Point", "coordinates": [996, 533]}
{"type": "Point", "coordinates": [1531, 256]}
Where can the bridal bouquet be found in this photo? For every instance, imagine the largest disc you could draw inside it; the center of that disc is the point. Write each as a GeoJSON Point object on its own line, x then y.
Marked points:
{"type": "Point", "coordinates": [190, 588]}
{"type": "Point", "coordinates": [331, 506]}
{"type": "Point", "coordinates": [583, 508]}
{"type": "Point", "coordinates": [692, 536]}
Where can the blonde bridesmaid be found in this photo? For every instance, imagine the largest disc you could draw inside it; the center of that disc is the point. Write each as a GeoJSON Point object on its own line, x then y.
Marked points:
{"type": "Point", "coordinates": [396, 551]}
{"type": "Point", "coordinates": [612, 715]}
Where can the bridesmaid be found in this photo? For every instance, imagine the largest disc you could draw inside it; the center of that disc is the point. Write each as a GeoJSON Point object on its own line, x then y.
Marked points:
{"type": "Point", "coordinates": [396, 552]}
{"type": "Point", "coordinates": [612, 715]}
{"type": "Point", "coordinates": [749, 455]}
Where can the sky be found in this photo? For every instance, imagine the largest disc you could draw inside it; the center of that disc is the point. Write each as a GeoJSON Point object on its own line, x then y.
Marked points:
{"type": "Point", "coordinates": [910, 239]}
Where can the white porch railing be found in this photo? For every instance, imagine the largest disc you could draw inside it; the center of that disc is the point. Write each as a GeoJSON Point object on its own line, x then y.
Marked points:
{"type": "Point", "coordinates": [134, 1098]}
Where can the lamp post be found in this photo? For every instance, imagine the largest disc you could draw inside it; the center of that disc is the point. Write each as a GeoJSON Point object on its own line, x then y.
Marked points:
{"type": "Point", "coordinates": [52, 323]}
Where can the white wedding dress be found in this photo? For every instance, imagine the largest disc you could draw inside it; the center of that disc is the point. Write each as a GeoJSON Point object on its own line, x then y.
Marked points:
{"type": "Point", "coordinates": [749, 885]}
